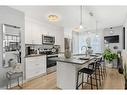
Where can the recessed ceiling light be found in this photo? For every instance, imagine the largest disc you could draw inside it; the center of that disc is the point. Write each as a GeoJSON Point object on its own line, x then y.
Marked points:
{"type": "Point", "coordinates": [53, 18]}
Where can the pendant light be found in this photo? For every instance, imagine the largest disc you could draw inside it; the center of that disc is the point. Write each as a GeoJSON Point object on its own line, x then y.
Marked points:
{"type": "Point", "coordinates": [96, 29]}
{"type": "Point", "coordinates": [81, 26]}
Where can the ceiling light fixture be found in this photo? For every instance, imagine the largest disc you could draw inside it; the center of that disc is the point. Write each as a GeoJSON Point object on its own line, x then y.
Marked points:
{"type": "Point", "coordinates": [53, 18]}
{"type": "Point", "coordinates": [96, 29]}
{"type": "Point", "coordinates": [81, 26]}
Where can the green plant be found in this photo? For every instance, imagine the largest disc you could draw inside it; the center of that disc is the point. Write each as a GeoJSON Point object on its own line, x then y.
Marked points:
{"type": "Point", "coordinates": [109, 55]}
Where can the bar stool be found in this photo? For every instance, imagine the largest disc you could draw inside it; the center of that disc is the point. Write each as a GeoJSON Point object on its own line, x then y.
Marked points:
{"type": "Point", "coordinates": [98, 68]}
{"type": "Point", "coordinates": [103, 67]}
{"type": "Point", "coordinates": [90, 73]}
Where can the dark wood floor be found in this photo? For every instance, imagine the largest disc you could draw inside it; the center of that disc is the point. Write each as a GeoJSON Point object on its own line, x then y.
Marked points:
{"type": "Point", "coordinates": [113, 80]}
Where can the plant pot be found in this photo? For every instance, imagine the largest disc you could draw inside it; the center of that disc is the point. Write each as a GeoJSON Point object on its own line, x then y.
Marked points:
{"type": "Point", "coordinates": [114, 63]}
{"type": "Point", "coordinates": [108, 64]}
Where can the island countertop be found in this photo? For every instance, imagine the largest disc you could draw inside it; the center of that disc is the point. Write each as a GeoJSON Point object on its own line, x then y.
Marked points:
{"type": "Point", "coordinates": [79, 60]}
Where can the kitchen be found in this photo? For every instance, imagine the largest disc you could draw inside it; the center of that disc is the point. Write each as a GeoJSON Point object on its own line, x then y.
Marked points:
{"type": "Point", "coordinates": [41, 41]}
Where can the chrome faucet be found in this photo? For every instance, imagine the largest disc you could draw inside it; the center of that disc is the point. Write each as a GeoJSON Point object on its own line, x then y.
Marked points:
{"type": "Point", "coordinates": [86, 49]}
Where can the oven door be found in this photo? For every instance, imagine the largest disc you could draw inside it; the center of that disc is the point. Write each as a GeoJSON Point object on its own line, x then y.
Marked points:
{"type": "Point", "coordinates": [51, 65]}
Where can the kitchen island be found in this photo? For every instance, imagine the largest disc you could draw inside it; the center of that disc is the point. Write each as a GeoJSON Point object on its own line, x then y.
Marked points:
{"type": "Point", "coordinates": [67, 69]}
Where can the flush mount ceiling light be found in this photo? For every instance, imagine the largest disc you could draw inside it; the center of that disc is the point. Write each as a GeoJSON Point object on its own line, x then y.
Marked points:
{"type": "Point", "coordinates": [53, 18]}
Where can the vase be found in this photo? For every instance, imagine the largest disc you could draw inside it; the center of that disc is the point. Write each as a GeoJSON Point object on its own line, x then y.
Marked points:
{"type": "Point", "coordinates": [67, 53]}
{"type": "Point", "coordinates": [67, 47]}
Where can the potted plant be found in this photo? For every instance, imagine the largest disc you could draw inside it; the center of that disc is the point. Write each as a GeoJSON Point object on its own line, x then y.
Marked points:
{"type": "Point", "coordinates": [110, 56]}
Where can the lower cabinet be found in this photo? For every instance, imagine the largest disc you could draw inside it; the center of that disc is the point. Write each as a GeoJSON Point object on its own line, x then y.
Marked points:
{"type": "Point", "coordinates": [35, 66]}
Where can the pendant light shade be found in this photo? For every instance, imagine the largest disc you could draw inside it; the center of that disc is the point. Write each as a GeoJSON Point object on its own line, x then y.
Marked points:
{"type": "Point", "coordinates": [81, 27]}
{"type": "Point", "coordinates": [97, 29]}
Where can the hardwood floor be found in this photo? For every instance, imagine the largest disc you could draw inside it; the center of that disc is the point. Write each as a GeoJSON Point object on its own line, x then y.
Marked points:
{"type": "Point", "coordinates": [113, 80]}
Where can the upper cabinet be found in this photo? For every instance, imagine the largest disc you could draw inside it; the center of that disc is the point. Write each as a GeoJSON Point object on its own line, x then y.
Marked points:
{"type": "Point", "coordinates": [32, 32]}
{"type": "Point", "coordinates": [28, 32]}
{"type": "Point", "coordinates": [36, 34]}
{"type": "Point", "coordinates": [35, 29]}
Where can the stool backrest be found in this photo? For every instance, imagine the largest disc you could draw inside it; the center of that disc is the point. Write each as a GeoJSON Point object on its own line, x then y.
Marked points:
{"type": "Point", "coordinates": [99, 59]}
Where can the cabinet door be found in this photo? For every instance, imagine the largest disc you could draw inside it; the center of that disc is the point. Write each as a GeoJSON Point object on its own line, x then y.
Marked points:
{"type": "Point", "coordinates": [28, 33]}
{"type": "Point", "coordinates": [35, 66]}
{"type": "Point", "coordinates": [36, 34]}
{"type": "Point", "coordinates": [44, 62]}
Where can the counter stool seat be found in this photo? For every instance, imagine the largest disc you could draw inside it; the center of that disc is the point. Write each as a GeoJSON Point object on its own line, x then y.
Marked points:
{"type": "Point", "coordinates": [87, 71]}
{"type": "Point", "coordinates": [90, 73]}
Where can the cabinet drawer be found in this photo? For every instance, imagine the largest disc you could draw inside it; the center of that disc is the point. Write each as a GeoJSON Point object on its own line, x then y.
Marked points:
{"type": "Point", "coordinates": [33, 73]}
{"type": "Point", "coordinates": [35, 66]}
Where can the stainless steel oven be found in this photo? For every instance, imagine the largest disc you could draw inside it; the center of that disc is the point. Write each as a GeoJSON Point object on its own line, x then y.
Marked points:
{"type": "Point", "coordinates": [49, 40]}
{"type": "Point", "coordinates": [51, 65]}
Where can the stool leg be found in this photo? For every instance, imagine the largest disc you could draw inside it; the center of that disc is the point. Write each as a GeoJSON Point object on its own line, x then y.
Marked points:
{"type": "Point", "coordinates": [77, 80]}
{"type": "Point", "coordinates": [18, 81]}
{"type": "Point", "coordinates": [10, 83]}
{"type": "Point", "coordinates": [105, 71]}
{"type": "Point", "coordinates": [82, 79]}
{"type": "Point", "coordinates": [87, 77]}
{"type": "Point", "coordinates": [104, 68]}
{"type": "Point", "coordinates": [96, 80]}
{"type": "Point", "coordinates": [22, 81]}
{"type": "Point", "coordinates": [91, 81]}
{"type": "Point", "coordinates": [99, 76]}
{"type": "Point", "coordinates": [101, 72]}
{"type": "Point", "coordinates": [7, 83]}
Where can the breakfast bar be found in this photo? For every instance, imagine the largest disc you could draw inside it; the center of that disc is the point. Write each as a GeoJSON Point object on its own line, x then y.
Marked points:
{"type": "Point", "coordinates": [67, 69]}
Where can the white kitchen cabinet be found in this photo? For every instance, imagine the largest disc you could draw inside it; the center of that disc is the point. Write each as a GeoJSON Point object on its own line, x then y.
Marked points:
{"type": "Point", "coordinates": [35, 66]}
{"type": "Point", "coordinates": [59, 38]}
{"type": "Point", "coordinates": [28, 32]}
{"type": "Point", "coordinates": [36, 34]}
{"type": "Point", "coordinates": [33, 33]}
{"type": "Point", "coordinates": [35, 29]}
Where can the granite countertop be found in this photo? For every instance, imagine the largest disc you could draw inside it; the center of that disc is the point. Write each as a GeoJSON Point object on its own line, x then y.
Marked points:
{"type": "Point", "coordinates": [79, 60]}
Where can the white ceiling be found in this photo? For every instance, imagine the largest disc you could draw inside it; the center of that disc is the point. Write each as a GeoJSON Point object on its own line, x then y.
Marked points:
{"type": "Point", "coordinates": [109, 15]}
{"type": "Point", "coordinates": [106, 16]}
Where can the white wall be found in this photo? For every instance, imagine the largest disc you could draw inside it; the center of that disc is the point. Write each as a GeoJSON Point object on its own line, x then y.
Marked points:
{"type": "Point", "coordinates": [16, 18]}
{"type": "Point", "coordinates": [34, 30]}
{"type": "Point", "coordinates": [116, 31]}
{"type": "Point", "coordinates": [68, 32]}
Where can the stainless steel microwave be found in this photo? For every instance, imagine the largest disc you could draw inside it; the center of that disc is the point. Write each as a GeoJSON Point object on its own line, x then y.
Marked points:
{"type": "Point", "coordinates": [48, 39]}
